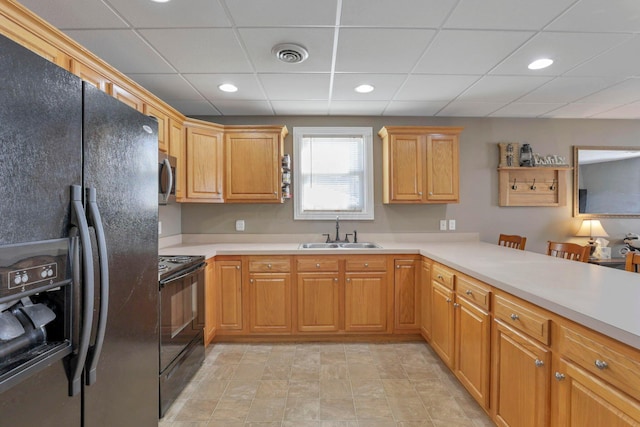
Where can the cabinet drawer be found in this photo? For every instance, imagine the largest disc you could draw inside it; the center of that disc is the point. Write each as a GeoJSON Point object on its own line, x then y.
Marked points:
{"type": "Point", "coordinates": [442, 275]}
{"type": "Point", "coordinates": [317, 264]}
{"type": "Point", "coordinates": [271, 264]}
{"type": "Point", "coordinates": [533, 323]}
{"type": "Point", "coordinates": [602, 359]}
{"type": "Point", "coordinates": [473, 291]}
{"type": "Point", "coordinates": [366, 263]}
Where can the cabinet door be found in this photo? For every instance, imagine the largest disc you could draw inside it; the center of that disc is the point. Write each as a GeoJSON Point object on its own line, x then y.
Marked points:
{"type": "Point", "coordinates": [163, 126]}
{"type": "Point", "coordinates": [407, 295]}
{"type": "Point", "coordinates": [318, 302]}
{"type": "Point", "coordinates": [442, 168]}
{"type": "Point", "coordinates": [365, 302]}
{"type": "Point", "coordinates": [442, 318]}
{"type": "Point", "coordinates": [406, 169]}
{"type": "Point", "coordinates": [204, 165]}
{"type": "Point", "coordinates": [209, 302]}
{"type": "Point", "coordinates": [229, 292]}
{"type": "Point", "coordinates": [425, 306]}
{"type": "Point", "coordinates": [127, 97]}
{"type": "Point", "coordinates": [177, 150]}
{"type": "Point", "coordinates": [521, 379]}
{"type": "Point", "coordinates": [89, 75]}
{"type": "Point", "coordinates": [270, 302]}
{"type": "Point", "coordinates": [472, 341]}
{"type": "Point", "coordinates": [252, 168]}
{"type": "Point", "coordinates": [583, 400]}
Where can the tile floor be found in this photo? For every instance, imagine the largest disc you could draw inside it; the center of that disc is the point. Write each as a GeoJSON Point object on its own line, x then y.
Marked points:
{"type": "Point", "coordinates": [324, 385]}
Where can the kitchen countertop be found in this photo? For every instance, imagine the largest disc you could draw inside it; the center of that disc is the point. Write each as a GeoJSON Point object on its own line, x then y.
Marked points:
{"type": "Point", "coordinates": [603, 299]}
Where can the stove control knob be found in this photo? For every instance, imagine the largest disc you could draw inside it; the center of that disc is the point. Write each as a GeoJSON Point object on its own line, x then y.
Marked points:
{"type": "Point", "coordinates": [43, 273]}
{"type": "Point", "coordinates": [49, 272]}
{"type": "Point", "coordinates": [17, 279]}
{"type": "Point", "coordinates": [25, 278]}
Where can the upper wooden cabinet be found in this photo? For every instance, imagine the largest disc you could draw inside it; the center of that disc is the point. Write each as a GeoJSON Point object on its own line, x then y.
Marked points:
{"type": "Point", "coordinates": [163, 125]}
{"type": "Point", "coordinates": [252, 166]}
{"type": "Point", "coordinates": [127, 97]}
{"type": "Point", "coordinates": [177, 148]}
{"type": "Point", "coordinates": [203, 162]}
{"type": "Point", "coordinates": [91, 76]}
{"type": "Point", "coordinates": [420, 164]}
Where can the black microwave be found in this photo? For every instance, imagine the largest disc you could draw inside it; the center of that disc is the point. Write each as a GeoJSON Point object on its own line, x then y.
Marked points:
{"type": "Point", "coordinates": [166, 178]}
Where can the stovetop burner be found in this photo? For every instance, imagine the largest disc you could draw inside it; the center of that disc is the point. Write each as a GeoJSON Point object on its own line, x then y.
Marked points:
{"type": "Point", "coordinates": [170, 265]}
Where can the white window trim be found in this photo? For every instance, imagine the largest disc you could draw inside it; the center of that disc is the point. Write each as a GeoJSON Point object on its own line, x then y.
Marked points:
{"type": "Point", "coordinates": [367, 134]}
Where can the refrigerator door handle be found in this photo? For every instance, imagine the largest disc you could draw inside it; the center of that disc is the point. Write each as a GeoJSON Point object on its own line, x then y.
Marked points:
{"type": "Point", "coordinates": [167, 166]}
{"type": "Point", "coordinates": [79, 220]}
{"type": "Point", "coordinates": [94, 351]}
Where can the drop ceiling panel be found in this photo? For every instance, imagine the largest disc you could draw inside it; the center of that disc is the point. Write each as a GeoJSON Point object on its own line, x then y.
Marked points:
{"type": "Point", "coordinates": [194, 108]}
{"type": "Point", "coordinates": [505, 14]}
{"type": "Point", "coordinates": [260, 41]}
{"type": "Point", "coordinates": [469, 109]}
{"type": "Point", "coordinates": [293, 108]}
{"type": "Point", "coordinates": [414, 108]}
{"type": "Point", "coordinates": [244, 108]}
{"type": "Point", "coordinates": [522, 109]}
{"type": "Point", "coordinates": [138, 57]}
{"type": "Point", "coordinates": [622, 93]}
{"type": "Point", "coordinates": [167, 86]}
{"type": "Point", "coordinates": [567, 89]}
{"type": "Point", "coordinates": [76, 14]}
{"type": "Point", "coordinates": [630, 111]}
{"type": "Point", "coordinates": [363, 50]}
{"type": "Point", "coordinates": [600, 16]}
{"type": "Point", "coordinates": [148, 14]}
{"type": "Point", "coordinates": [289, 87]}
{"type": "Point", "coordinates": [271, 13]}
{"type": "Point", "coordinates": [501, 88]}
{"type": "Point", "coordinates": [469, 52]}
{"type": "Point", "coordinates": [357, 108]}
{"type": "Point", "coordinates": [621, 61]}
{"type": "Point", "coordinates": [249, 88]}
{"type": "Point", "coordinates": [434, 88]}
{"type": "Point", "coordinates": [202, 50]}
{"type": "Point", "coordinates": [390, 13]}
{"type": "Point", "coordinates": [386, 85]}
{"type": "Point", "coordinates": [578, 111]}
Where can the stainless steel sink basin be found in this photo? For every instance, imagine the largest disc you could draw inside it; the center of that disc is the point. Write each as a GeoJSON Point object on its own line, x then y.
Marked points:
{"type": "Point", "coordinates": [363, 245]}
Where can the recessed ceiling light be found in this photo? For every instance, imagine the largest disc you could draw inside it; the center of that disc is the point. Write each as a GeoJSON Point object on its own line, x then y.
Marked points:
{"type": "Point", "coordinates": [160, 1]}
{"type": "Point", "coordinates": [364, 88]}
{"type": "Point", "coordinates": [228, 87]}
{"type": "Point", "coordinates": [540, 63]}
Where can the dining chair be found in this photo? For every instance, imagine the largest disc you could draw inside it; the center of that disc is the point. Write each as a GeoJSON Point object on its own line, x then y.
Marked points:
{"type": "Point", "coordinates": [632, 262]}
{"type": "Point", "coordinates": [512, 241]}
{"type": "Point", "coordinates": [570, 251]}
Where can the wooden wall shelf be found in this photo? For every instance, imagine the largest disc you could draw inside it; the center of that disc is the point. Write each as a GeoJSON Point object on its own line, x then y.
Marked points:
{"type": "Point", "coordinates": [533, 186]}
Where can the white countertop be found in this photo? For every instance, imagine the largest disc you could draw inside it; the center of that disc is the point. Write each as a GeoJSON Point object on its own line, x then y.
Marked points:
{"type": "Point", "coordinates": [604, 299]}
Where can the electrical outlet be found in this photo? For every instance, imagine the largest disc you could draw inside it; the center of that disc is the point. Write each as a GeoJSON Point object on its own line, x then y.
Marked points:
{"type": "Point", "coordinates": [443, 225]}
{"type": "Point", "coordinates": [159, 227]}
{"type": "Point", "coordinates": [240, 225]}
{"type": "Point", "coordinates": [452, 224]}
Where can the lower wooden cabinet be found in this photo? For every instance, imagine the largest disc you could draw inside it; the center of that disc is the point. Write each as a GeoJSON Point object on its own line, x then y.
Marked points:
{"type": "Point", "coordinates": [318, 302]}
{"type": "Point", "coordinates": [210, 302]}
{"type": "Point", "coordinates": [229, 295]}
{"type": "Point", "coordinates": [425, 295]}
{"type": "Point", "coordinates": [365, 302]}
{"type": "Point", "coordinates": [442, 318]}
{"type": "Point", "coordinates": [406, 284]}
{"type": "Point", "coordinates": [270, 302]}
{"type": "Point", "coordinates": [521, 379]}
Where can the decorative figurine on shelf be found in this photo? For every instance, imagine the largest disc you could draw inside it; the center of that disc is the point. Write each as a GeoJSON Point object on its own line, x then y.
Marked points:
{"type": "Point", "coordinates": [526, 156]}
{"type": "Point", "coordinates": [509, 155]}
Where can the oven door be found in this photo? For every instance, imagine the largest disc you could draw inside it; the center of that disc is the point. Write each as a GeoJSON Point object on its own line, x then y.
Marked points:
{"type": "Point", "coordinates": [181, 313]}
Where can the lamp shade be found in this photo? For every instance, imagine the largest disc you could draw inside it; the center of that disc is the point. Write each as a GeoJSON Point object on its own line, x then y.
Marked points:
{"type": "Point", "coordinates": [591, 228]}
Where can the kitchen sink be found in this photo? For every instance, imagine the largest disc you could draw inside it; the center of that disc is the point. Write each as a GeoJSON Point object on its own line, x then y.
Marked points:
{"type": "Point", "coordinates": [363, 245]}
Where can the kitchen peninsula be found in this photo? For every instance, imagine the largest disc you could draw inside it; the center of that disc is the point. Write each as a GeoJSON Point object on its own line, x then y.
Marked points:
{"type": "Point", "coordinates": [499, 318]}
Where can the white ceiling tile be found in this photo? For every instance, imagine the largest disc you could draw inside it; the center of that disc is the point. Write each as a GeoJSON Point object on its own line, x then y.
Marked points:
{"type": "Point", "coordinates": [357, 108]}
{"type": "Point", "coordinates": [244, 108]}
{"type": "Point", "coordinates": [469, 109]}
{"type": "Point", "coordinates": [623, 60]}
{"type": "Point", "coordinates": [621, 93]}
{"type": "Point", "coordinates": [505, 14]}
{"type": "Point", "coordinates": [292, 108]}
{"type": "Point", "coordinates": [286, 87]}
{"type": "Point", "coordinates": [386, 85]}
{"type": "Point", "coordinates": [138, 57]}
{"type": "Point", "coordinates": [395, 13]}
{"type": "Point", "coordinates": [75, 14]}
{"type": "Point", "coordinates": [630, 111]}
{"type": "Point", "coordinates": [194, 108]}
{"type": "Point", "coordinates": [469, 52]}
{"type": "Point", "coordinates": [600, 16]}
{"type": "Point", "coordinates": [578, 111]}
{"type": "Point", "coordinates": [149, 14]}
{"type": "Point", "coordinates": [523, 109]}
{"type": "Point", "coordinates": [433, 88]}
{"type": "Point", "coordinates": [269, 13]}
{"type": "Point", "coordinates": [566, 49]}
{"type": "Point", "coordinates": [260, 41]}
{"type": "Point", "coordinates": [249, 87]}
{"type": "Point", "coordinates": [167, 86]}
{"type": "Point", "coordinates": [384, 51]}
{"type": "Point", "coordinates": [203, 50]}
{"type": "Point", "coordinates": [501, 88]}
{"type": "Point", "coordinates": [567, 89]}
{"type": "Point", "coordinates": [414, 108]}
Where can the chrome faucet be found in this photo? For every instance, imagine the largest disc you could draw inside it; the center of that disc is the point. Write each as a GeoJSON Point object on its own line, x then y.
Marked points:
{"type": "Point", "coordinates": [337, 229]}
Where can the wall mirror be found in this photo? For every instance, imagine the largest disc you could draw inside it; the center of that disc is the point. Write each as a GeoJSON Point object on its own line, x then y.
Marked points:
{"type": "Point", "coordinates": [606, 182]}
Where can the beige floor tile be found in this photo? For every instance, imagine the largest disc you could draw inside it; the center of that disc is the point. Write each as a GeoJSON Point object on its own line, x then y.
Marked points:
{"type": "Point", "coordinates": [302, 409]}
{"type": "Point", "coordinates": [423, 423]}
{"type": "Point", "coordinates": [335, 371]}
{"type": "Point", "coordinates": [444, 408]}
{"type": "Point", "coordinates": [337, 409]}
{"type": "Point", "coordinates": [339, 424]}
{"type": "Point", "coordinates": [240, 390]}
{"type": "Point", "coordinates": [220, 372]}
{"type": "Point", "coordinates": [304, 388]}
{"type": "Point", "coordinates": [391, 371]}
{"type": "Point", "coordinates": [362, 371]}
{"type": "Point", "coordinates": [226, 358]}
{"type": "Point", "coordinates": [231, 410]}
{"type": "Point", "coordinates": [272, 389]}
{"type": "Point", "coordinates": [332, 357]}
{"type": "Point", "coordinates": [335, 389]}
{"type": "Point", "coordinates": [372, 409]}
{"type": "Point", "coordinates": [305, 372]}
{"type": "Point", "coordinates": [225, 423]}
{"type": "Point", "coordinates": [266, 410]}
{"type": "Point", "coordinates": [399, 388]}
{"type": "Point", "coordinates": [407, 409]}
{"type": "Point", "coordinates": [300, 423]}
{"type": "Point", "coordinates": [276, 372]}
{"type": "Point", "coordinates": [248, 371]}
{"type": "Point", "coordinates": [196, 410]}
{"type": "Point", "coordinates": [367, 388]}
{"type": "Point", "coordinates": [210, 389]}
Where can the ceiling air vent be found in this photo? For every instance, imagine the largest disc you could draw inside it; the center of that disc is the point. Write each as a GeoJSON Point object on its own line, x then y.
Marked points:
{"type": "Point", "coordinates": [290, 53]}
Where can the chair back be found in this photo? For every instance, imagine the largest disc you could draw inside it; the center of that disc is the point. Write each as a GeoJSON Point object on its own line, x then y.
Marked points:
{"type": "Point", "coordinates": [570, 251]}
{"type": "Point", "coordinates": [512, 241]}
{"type": "Point", "coordinates": [632, 262]}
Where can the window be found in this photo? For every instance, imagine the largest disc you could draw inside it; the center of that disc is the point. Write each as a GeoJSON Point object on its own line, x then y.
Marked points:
{"type": "Point", "coordinates": [333, 169]}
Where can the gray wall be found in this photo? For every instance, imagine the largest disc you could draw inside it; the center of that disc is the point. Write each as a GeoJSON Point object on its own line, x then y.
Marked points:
{"type": "Point", "coordinates": [478, 210]}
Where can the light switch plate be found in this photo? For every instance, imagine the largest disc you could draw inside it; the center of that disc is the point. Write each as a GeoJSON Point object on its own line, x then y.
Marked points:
{"type": "Point", "coordinates": [452, 224]}
{"type": "Point", "coordinates": [443, 225]}
{"type": "Point", "coordinates": [240, 225]}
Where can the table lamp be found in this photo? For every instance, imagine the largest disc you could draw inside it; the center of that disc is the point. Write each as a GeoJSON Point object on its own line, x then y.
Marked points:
{"type": "Point", "coordinates": [591, 228]}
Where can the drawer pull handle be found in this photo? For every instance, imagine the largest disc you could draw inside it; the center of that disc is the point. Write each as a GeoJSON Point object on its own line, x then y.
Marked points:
{"type": "Point", "coordinates": [456, 305]}
{"type": "Point", "coordinates": [514, 317]}
{"type": "Point", "coordinates": [469, 292]}
{"type": "Point", "coordinates": [559, 376]}
{"type": "Point", "coordinates": [539, 363]}
{"type": "Point", "coordinates": [601, 364]}
{"type": "Point", "coordinates": [440, 277]}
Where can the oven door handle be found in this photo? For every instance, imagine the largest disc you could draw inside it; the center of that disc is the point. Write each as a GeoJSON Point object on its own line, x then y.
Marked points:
{"type": "Point", "coordinates": [79, 221]}
{"type": "Point", "coordinates": [94, 351]}
{"type": "Point", "coordinates": [185, 274]}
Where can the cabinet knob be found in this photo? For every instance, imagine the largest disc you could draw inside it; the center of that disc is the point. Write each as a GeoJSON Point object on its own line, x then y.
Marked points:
{"type": "Point", "coordinates": [514, 317]}
{"type": "Point", "coordinates": [269, 266]}
{"type": "Point", "coordinates": [275, 193]}
{"type": "Point", "coordinates": [469, 292]}
{"type": "Point", "coordinates": [335, 280]}
{"type": "Point", "coordinates": [440, 276]}
{"type": "Point", "coordinates": [348, 279]}
{"type": "Point", "coordinates": [539, 363]}
{"type": "Point", "coordinates": [398, 266]}
{"type": "Point", "coordinates": [419, 193]}
{"type": "Point", "coordinates": [317, 265]}
{"type": "Point", "coordinates": [237, 267]}
{"type": "Point", "coordinates": [456, 305]}
{"type": "Point", "coordinates": [366, 264]}
{"type": "Point", "coordinates": [431, 193]}
{"type": "Point", "coordinates": [250, 280]}
{"type": "Point", "coordinates": [601, 364]}
{"type": "Point", "coordinates": [559, 376]}
{"type": "Point", "coordinates": [448, 300]}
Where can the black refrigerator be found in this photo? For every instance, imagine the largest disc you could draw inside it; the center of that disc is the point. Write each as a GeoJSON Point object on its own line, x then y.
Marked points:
{"type": "Point", "coordinates": [78, 251]}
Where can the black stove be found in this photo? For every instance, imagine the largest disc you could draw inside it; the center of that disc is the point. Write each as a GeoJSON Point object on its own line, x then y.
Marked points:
{"type": "Point", "coordinates": [173, 265]}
